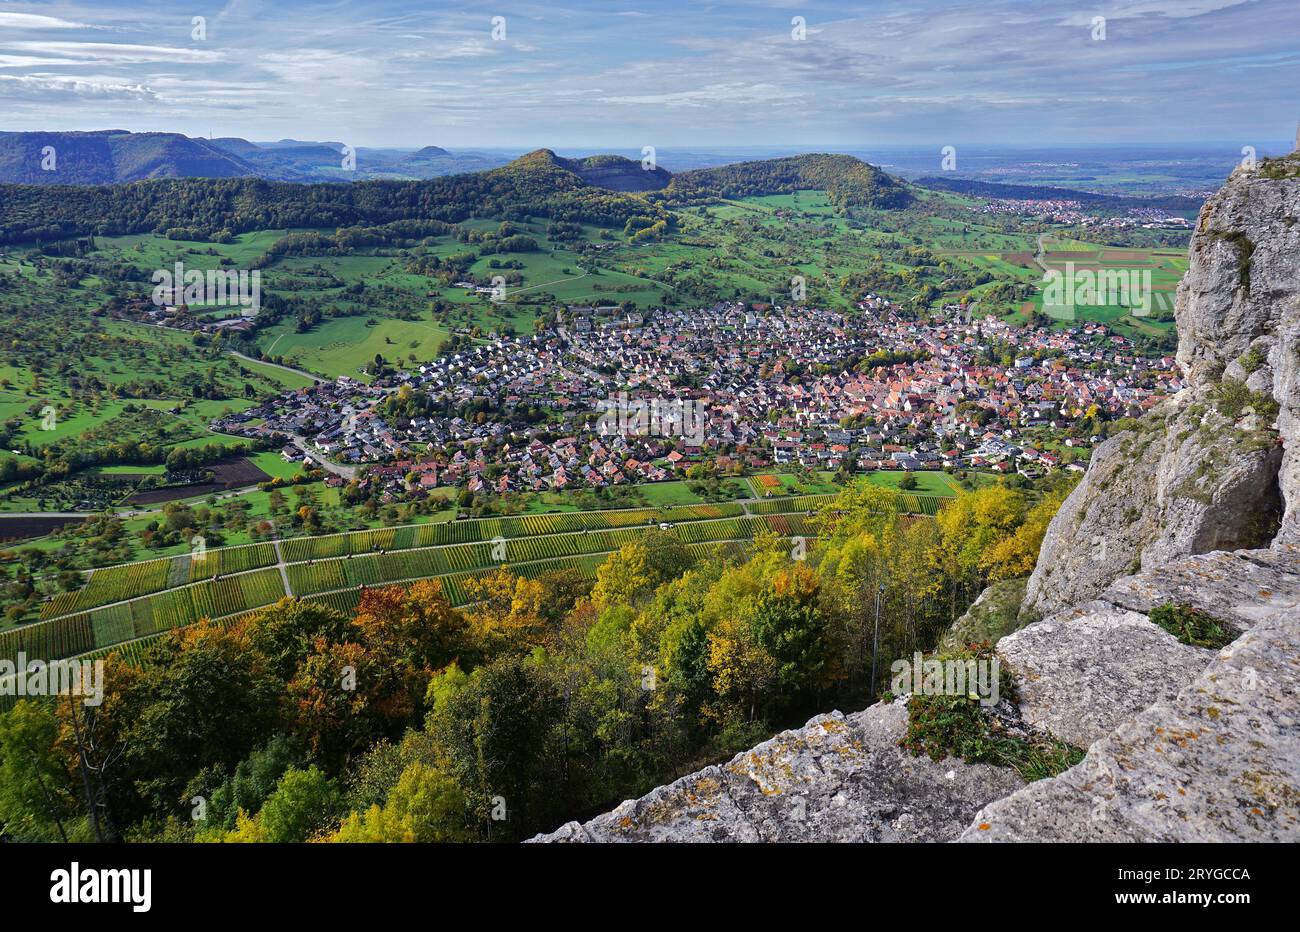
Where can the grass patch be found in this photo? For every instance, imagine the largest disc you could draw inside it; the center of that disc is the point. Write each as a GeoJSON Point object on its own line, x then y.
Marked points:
{"type": "Point", "coordinates": [1193, 627]}
{"type": "Point", "coordinates": [1232, 398]}
{"type": "Point", "coordinates": [939, 725]}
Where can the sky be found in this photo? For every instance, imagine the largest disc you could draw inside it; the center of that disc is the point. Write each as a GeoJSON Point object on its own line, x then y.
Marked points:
{"type": "Point", "coordinates": [623, 75]}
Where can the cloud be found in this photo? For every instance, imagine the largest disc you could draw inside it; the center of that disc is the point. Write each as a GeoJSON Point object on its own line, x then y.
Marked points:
{"type": "Point", "coordinates": [399, 71]}
{"type": "Point", "coordinates": [99, 53]}
{"type": "Point", "coordinates": [35, 21]}
{"type": "Point", "coordinates": [713, 94]}
{"type": "Point", "coordinates": [53, 87]}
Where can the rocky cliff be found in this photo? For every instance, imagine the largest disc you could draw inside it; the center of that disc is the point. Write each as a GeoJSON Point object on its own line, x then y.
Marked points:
{"type": "Point", "coordinates": [1197, 507]}
{"type": "Point", "coordinates": [1216, 467]}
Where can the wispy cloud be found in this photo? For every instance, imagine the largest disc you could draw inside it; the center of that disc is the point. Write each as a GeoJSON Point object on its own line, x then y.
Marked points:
{"type": "Point", "coordinates": [580, 72]}
{"type": "Point", "coordinates": [36, 21]}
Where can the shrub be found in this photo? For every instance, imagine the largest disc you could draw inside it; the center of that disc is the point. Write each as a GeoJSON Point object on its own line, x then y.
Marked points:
{"type": "Point", "coordinates": [1193, 627]}
{"type": "Point", "coordinates": [939, 725]}
{"type": "Point", "coordinates": [1232, 398]}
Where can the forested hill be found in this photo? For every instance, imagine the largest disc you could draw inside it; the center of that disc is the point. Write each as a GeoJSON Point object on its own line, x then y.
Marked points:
{"type": "Point", "coordinates": [109, 156]}
{"type": "Point", "coordinates": [847, 181]}
{"type": "Point", "coordinates": [540, 184]}
{"type": "Point", "coordinates": [612, 172]}
{"type": "Point", "coordinates": [206, 207]}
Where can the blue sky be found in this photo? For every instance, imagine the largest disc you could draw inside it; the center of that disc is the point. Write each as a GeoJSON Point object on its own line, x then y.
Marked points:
{"type": "Point", "coordinates": [629, 74]}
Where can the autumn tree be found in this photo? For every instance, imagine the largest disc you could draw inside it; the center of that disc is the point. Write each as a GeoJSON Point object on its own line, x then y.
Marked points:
{"type": "Point", "coordinates": [425, 805]}
{"type": "Point", "coordinates": [507, 613]}
{"type": "Point", "coordinates": [38, 797]}
{"type": "Point", "coordinates": [413, 625]}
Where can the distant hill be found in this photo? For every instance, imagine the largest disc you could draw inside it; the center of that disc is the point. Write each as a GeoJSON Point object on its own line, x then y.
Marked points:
{"type": "Point", "coordinates": [847, 181]}
{"type": "Point", "coordinates": [114, 156]}
{"type": "Point", "coordinates": [118, 156]}
{"type": "Point", "coordinates": [235, 145]}
{"type": "Point", "coordinates": [605, 190]}
{"type": "Point", "coordinates": [429, 162]}
{"type": "Point", "coordinates": [611, 172]}
{"type": "Point", "coordinates": [204, 207]}
{"type": "Point", "coordinates": [298, 144]}
{"type": "Point", "coordinates": [1026, 192]}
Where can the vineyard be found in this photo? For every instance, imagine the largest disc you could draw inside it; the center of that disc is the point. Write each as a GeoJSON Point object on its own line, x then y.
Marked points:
{"type": "Point", "coordinates": [316, 576]}
{"type": "Point", "coordinates": [130, 580]}
{"type": "Point", "coordinates": [487, 529]}
{"type": "Point", "coordinates": [132, 603]}
{"type": "Point", "coordinates": [917, 503]}
{"type": "Point", "coordinates": [140, 617]}
{"type": "Point", "coordinates": [134, 652]}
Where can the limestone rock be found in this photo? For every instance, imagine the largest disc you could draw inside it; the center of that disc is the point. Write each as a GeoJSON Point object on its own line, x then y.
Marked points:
{"type": "Point", "coordinates": [1219, 762]}
{"type": "Point", "coordinates": [1189, 481]}
{"type": "Point", "coordinates": [1241, 588]}
{"type": "Point", "coordinates": [839, 778]}
{"type": "Point", "coordinates": [1081, 672]}
{"type": "Point", "coordinates": [1242, 293]}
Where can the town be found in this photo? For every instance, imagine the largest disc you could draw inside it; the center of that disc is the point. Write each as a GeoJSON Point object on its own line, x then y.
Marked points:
{"type": "Point", "coordinates": [776, 387]}
{"type": "Point", "coordinates": [1070, 211]}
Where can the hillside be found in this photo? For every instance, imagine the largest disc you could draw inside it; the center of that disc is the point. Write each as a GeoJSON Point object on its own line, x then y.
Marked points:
{"type": "Point", "coordinates": [114, 156]}
{"type": "Point", "coordinates": [849, 182]}
{"type": "Point", "coordinates": [597, 189]}
{"type": "Point", "coordinates": [208, 206]}
{"type": "Point", "coordinates": [1160, 630]}
{"type": "Point", "coordinates": [118, 156]}
{"type": "Point", "coordinates": [610, 172]}
{"type": "Point", "coordinates": [615, 173]}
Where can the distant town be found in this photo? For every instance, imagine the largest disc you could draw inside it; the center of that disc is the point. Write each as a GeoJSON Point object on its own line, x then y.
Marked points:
{"type": "Point", "coordinates": [777, 387]}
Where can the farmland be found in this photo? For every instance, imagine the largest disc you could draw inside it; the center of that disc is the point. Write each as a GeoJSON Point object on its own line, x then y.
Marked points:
{"type": "Point", "coordinates": [1063, 255]}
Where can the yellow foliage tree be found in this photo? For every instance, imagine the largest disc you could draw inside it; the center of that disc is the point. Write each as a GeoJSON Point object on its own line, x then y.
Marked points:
{"type": "Point", "coordinates": [508, 613]}
{"type": "Point", "coordinates": [426, 805]}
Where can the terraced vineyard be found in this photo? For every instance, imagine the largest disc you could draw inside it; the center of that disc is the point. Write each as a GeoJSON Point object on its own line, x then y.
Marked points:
{"type": "Point", "coordinates": [318, 576]}
{"type": "Point", "coordinates": [775, 506]}
{"type": "Point", "coordinates": [133, 603]}
{"type": "Point", "coordinates": [129, 580]}
{"type": "Point", "coordinates": [487, 529]}
{"type": "Point", "coordinates": [920, 503]}
{"type": "Point", "coordinates": [134, 652]}
{"type": "Point", "coordinates": [140, 617]}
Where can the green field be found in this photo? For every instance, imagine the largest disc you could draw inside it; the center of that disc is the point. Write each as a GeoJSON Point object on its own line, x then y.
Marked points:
{"type": "Point", "coordinates": [927, 482]}
{"type": "Point", "coordinates": [1165, 267]}
{"type": "Point", "coordinates": [344, 345]}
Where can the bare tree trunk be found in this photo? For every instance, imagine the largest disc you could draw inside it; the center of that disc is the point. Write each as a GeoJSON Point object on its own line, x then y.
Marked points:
{"type": "Point", "coordinates": [53, 804]}
{"type": "Point", "coordinates": [92, 807]}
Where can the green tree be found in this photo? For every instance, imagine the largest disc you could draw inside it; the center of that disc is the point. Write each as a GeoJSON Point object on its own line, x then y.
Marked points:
{"type": "Point", "coordinates": [37, 796]}
{"type": "Point", "coordinates": [303, 804]}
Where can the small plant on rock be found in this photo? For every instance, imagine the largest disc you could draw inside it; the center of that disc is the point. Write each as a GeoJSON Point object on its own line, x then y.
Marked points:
{"type": "Point", "coordinates": [1192, 626]}
{"type": "Point", "coordinates": [939, 725]}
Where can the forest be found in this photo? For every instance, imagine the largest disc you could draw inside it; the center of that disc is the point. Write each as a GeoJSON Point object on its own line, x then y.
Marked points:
{"type": "Point", "coordinates": [535, 185]}
{"type": "Point", "coordinates": [540, 701]}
